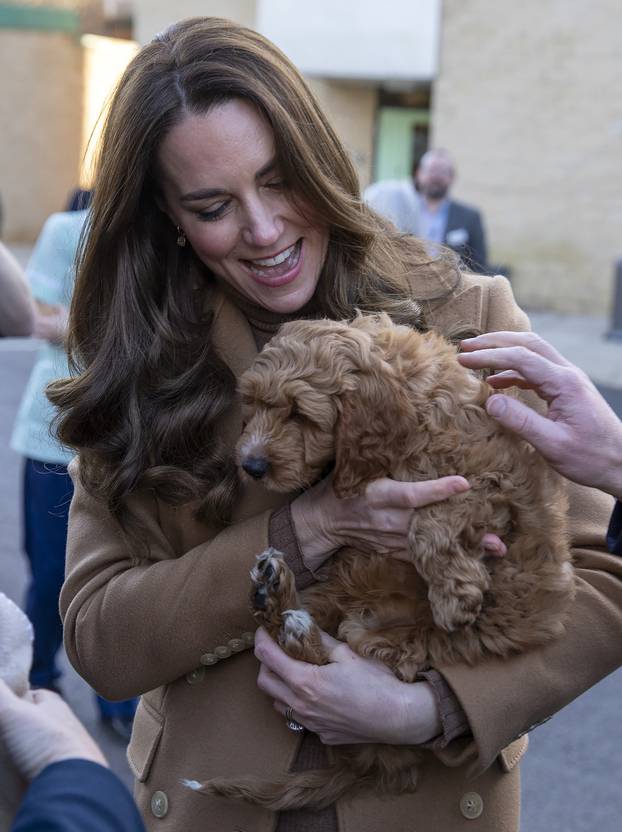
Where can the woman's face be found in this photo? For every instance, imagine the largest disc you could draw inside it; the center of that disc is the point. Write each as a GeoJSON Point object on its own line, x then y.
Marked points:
{"type": "Point", "coordinates": [222, 186]}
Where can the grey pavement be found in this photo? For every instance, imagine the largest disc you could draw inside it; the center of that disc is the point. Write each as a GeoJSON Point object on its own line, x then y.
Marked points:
{"type": "Point", "coordinates": [571, 773]}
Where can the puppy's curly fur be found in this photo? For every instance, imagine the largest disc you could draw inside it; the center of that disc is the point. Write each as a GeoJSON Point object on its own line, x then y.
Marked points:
{"type": "Point", "coordinates": [384, 400]}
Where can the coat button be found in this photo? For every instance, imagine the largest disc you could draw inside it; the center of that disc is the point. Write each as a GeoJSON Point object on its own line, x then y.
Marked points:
{"type": "Point", "coordinates": [195, 675]}
{"type": "Point", "coordinates": [223, 651]}
{"type": "Point", "coordinates": [471, 805]}
{"type": "Point", "coordinates": [209, 659]}
{"type": "Point", "coordinates": [237, 645]}
{"type": "Point", "coordinates": [159, 804]}
{"type": "Point", "coordinates": [249, 638]}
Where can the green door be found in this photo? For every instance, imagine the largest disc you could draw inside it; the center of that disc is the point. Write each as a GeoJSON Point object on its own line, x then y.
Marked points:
{"type": "Point", "coordinates": [401, 139]}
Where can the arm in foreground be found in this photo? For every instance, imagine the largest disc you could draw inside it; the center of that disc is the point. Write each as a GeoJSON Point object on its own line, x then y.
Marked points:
{"type": "Point", "coordinates": [16, 305]}
{"type": "Point", "coordinates": [70, 785]}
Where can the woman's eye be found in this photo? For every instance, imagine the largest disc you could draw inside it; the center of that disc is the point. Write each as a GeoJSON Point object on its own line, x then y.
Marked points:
{"type": "Point", "coordinates": [276, 184]}
{"type": "Point", "coordinates": [213, 214]}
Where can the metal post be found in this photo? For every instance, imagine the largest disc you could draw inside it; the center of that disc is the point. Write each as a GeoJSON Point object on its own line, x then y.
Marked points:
{"type": "Point", "coordinates": [615, 333]}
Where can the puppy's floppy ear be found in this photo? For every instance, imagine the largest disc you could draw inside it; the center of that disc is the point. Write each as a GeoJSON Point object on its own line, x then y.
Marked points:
{"type": "Point", "coordinates": [372, 428]}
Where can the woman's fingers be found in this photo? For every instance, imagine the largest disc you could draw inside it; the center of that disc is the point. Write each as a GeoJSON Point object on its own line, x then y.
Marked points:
{"type": "Point", "coordinates": [386, 493]}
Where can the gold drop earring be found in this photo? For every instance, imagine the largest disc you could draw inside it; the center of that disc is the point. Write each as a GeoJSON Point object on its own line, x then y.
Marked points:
{"type": "Point", "coordinates": [181, 237]}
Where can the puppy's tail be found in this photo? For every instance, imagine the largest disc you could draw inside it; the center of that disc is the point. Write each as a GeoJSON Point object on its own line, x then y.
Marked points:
{"type": "Point", "coordinates": [314, 789]}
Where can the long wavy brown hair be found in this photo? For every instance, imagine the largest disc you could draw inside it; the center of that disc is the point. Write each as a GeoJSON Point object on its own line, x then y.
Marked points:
{"type": "Point", "coordinates": [147, 389]}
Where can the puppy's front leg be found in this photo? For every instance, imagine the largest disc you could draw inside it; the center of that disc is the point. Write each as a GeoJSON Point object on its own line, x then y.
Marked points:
{"type": "Point", "coordinates": [275, 605]}
{"type": "Point", "coordinates": [456, 580]}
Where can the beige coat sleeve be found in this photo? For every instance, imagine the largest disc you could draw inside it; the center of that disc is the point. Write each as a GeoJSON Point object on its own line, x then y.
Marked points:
{"type": "Point", "coordinates": [505, 698]}
{"type": "Point", "coordinates": [135, 622]}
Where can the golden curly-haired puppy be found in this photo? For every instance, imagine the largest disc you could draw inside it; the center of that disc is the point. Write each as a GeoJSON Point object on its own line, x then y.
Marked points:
{"type": "Point", "coordinates": [380, 400]}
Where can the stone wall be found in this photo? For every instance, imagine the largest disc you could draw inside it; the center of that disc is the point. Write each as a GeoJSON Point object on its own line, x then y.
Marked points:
{"type": "Point", "coordinates": [41, 101]}
{"type": "Point", "coordinates": [527, 101]}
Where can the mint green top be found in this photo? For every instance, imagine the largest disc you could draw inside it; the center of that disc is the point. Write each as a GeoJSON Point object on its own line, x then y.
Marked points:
{"type": "Point", "coordinates": [51, 274]}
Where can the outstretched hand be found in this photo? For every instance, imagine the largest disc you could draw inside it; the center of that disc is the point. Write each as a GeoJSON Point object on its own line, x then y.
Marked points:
{"type": "Point", "coordinates": [42, 730]}
{"type": "Point", "coordinates": [580, 436]}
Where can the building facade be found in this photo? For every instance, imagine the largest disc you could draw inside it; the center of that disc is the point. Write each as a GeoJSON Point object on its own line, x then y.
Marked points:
{"type": "Point", "coordinates": [523, 95]}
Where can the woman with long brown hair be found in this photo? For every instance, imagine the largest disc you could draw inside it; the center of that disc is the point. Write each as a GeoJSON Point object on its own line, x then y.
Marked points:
{"type": "Point", "coordinates": [225, 205]}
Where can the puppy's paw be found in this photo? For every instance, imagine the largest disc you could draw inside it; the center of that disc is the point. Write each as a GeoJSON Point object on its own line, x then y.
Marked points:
{"type": "Point", "coordinates": [273, 589]}
{"type": "Point", "coordinates": [265, 578]}
{"type": "Point", "coordinates": [300, 637]}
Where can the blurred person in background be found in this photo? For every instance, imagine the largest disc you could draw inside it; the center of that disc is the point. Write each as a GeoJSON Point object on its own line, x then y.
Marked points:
{"type": "Point", "coordinates": [70, 787]}
{"type": "Point", "coordinates": [17, 312]}
{"type": "Point", "coordinates": [47, 487]}
{"type": "Point", "coordinates": [422, 205]}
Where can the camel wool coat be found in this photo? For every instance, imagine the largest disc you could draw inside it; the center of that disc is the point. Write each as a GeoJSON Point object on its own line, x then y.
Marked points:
{"type": "Point", "coordinates": [175, 626]}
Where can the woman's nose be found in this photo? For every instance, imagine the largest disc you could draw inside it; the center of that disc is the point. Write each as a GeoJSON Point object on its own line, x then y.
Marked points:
{"type": "Point", "coordinates": [263, 226]}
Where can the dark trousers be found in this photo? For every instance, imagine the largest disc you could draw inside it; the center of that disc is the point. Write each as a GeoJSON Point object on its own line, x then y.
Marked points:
{"type": "Point", "coordinates": [47, 495]}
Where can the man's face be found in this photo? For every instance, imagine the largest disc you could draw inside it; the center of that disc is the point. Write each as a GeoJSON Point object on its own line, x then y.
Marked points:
{"type": "Point", "coordinates": [434, 177]}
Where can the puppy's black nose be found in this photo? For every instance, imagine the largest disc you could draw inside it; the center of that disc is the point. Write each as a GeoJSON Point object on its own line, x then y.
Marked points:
{"type": "Point", "coordinates": [256, 467]}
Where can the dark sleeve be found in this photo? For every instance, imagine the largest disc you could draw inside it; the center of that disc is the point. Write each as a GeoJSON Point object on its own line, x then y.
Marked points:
{"type": "Point", "coordinates": [282, 536]}
{"type": "Point", "coordinates": [614, 532]}
{"type": "Point", "coordinates": [477, 254]}
{"type": "Point", "coordinates": [76, 796]}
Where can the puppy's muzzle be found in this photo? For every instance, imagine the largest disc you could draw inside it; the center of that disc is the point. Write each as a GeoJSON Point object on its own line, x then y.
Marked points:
{"type": "Point", "coordinates": [256, 467]}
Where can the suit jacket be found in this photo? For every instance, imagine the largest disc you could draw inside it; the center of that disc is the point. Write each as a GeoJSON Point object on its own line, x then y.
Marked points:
{"type": "Point", "coordinates": [614, 533]}
{"type": "Point", "coordinates": [464, 233]}
{"type": "Point", "coordinates": [175, 626]}
{"type": "Point", "coordinates": [76, 796]}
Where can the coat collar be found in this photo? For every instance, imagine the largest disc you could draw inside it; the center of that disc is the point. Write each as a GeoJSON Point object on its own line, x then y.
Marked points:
{"type": "Point", "coordinates": [232, 335]}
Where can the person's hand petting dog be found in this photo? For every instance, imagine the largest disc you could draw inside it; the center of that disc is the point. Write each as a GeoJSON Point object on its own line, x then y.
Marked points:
{"type": "Point", "coordinates": [351, 699]}
{"type": "Point", "coordinates": [377, 522]}
{"type": "Point", "coordinates": [580, 436]}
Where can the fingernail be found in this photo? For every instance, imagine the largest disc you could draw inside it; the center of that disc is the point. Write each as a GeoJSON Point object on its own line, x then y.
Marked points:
{"type": "Point", "coordinates": [461, 484]}
{"type": "Point", "coordinates": [496, 405]}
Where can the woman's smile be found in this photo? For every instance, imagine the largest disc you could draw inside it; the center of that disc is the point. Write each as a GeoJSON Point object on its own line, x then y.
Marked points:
{"type": "Point", "coordinates": [222, 185]}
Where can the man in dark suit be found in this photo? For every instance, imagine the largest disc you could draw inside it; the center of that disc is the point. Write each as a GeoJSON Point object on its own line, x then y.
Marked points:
{"type": "Point", "coordinates": [443, 220]}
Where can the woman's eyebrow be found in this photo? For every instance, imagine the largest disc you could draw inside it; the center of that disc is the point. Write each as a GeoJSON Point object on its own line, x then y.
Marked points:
{"type": "Point", "coordinates": [208, 193]}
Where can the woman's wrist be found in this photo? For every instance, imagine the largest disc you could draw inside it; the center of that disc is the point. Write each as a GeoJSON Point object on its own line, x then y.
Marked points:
{"type": "Point", "coordinates": [312, 515]}
{"type": "Point", "coordinates": [421, 714]}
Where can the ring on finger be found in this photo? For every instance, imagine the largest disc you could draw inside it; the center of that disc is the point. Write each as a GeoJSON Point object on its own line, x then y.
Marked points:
{"type": "Point", "coordinates": [291, 723]}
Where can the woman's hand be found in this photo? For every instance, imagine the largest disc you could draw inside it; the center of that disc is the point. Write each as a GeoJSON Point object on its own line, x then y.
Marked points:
{"type": "Point", "coordinates": [350, 700]}
{"type": "Point", "coordinates": [377, 522]}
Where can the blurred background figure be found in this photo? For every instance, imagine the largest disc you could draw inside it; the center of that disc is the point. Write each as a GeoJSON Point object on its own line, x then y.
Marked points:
{"type": "Point", "coordinates": [17, 312]}
{"type": "Point", "coordinates": [444, 220]}
{"type": "Point", "coordinates": [421, 205]}
{"type": "Point", "coordinates": [398, 201]}
{"type": "Point", "coordinates": [47, 487]}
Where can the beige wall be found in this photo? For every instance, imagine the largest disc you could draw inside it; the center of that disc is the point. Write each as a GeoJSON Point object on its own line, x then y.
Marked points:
{"type": "Point", "coordinates": [41, 118]}
{"type": "Point", "coordinates": [351, 110]}
{"type": "Point", "coordinates": [152, 16]}
{"type": "Point", "coordinates": [527, 101]}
